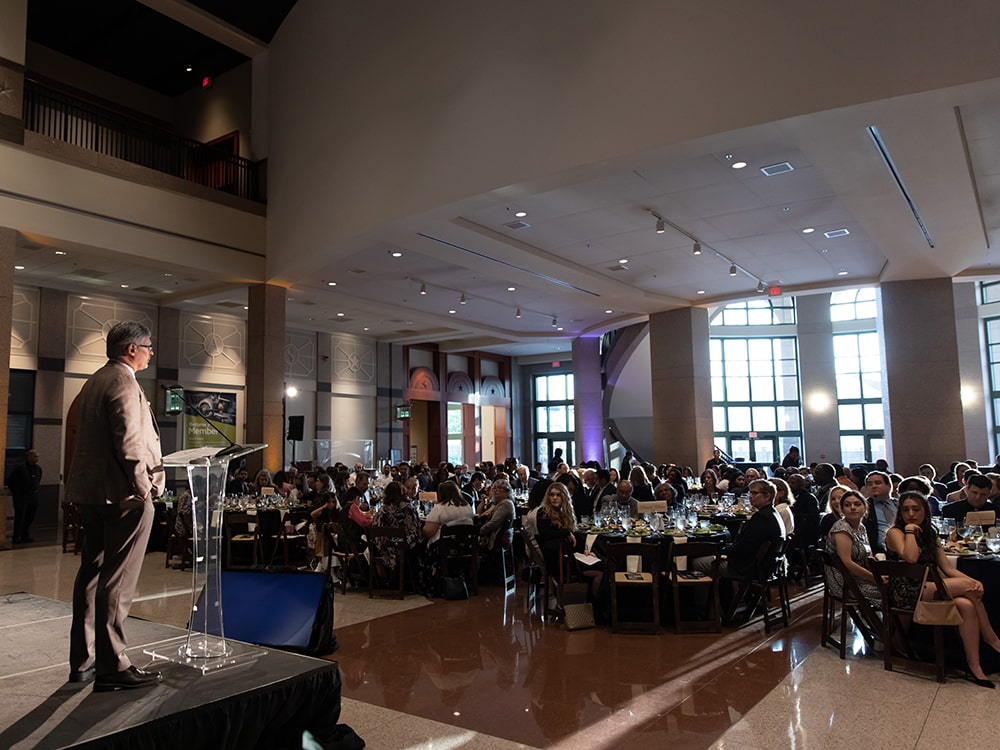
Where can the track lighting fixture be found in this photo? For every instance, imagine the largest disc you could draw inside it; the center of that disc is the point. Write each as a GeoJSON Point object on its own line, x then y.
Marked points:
{"type": "Point", "coordinates": [732, 270]}
{"type": "Point", "coordinates": [554, 323]}
{"type": "Point", "coordinates": [761, 288]}
{"type": "Point", "coordinates": [518, 313]}
{"type": "Point", "coordinates": [462, 300]}
{"type": "Point", "coordinates": [696, 250]}
{"type": "Point", "coordinates": [660, 226]}
{"type": "Point", "coordinates": [423, 289]}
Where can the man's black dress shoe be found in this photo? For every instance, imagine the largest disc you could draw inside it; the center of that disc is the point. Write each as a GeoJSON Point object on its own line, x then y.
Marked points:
{"type": "Point", "coordinates": [87, 675]}
{"type": "Point", "coordinates": [133, 677]}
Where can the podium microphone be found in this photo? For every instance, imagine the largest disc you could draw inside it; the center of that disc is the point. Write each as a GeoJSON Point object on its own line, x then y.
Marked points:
{"type": "Point", "coordinates": [192, 409]}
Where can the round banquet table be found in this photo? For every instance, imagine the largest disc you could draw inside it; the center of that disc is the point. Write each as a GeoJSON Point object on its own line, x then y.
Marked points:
{"type": "Point", "coordinates": [986, 570]}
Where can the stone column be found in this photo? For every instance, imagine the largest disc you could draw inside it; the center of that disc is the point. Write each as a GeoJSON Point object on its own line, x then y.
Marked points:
{"type": "Point", "coordinates": [265, 373]}
{"type": "Point", "coordinates": [588, 400]}
{"type": "Point", "coordinates": [683, 431]}
{"type": "Point", "coordinates": [8, 237]}
{"type": "Point", "coordinates": [50, 380]}
{"type": "Point", "coordinates": [817, 380]}
{"type": "Point", "coordinates": [923, 381]}
{"type": "Point", "coordinates": [13, 25]}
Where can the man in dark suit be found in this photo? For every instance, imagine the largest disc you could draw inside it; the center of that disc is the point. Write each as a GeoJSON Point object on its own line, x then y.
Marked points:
{"type": "Point", "coordinates": [765, 525]}
{"type": "Point", "coordinates": [881, 509]}
{"type": "Point", "coordinates": [977, 498]}
{"type": "Point", "coordinates": [23, 482]}
{"type": "Point", "coordinates": [116, 472]}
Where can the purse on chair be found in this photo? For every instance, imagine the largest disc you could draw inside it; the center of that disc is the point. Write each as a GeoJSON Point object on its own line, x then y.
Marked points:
{"type": "Point", "coordinates": [936, 612]}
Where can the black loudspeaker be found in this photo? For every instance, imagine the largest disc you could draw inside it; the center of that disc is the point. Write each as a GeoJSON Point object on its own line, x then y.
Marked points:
{"type": "Point", "coordinates": [295, 427]}
{"type": "Point", "coordinates": [283, 608]}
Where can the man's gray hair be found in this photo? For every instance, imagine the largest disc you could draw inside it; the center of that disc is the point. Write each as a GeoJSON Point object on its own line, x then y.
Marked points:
{"type": "Point", "coordinates": [122, 335]}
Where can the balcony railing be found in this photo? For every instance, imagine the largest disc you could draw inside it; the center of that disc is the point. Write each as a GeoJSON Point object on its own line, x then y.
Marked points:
{"type": "Point", "coordinates": [81, 123]}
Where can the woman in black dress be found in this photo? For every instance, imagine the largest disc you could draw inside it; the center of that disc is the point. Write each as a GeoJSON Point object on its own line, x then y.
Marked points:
{"type": "Point", "coordinates": [913, 539]}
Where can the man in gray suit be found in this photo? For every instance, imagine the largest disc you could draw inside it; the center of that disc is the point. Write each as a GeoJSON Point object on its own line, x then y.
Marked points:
{"type": "Point", "coordinates": [116, 472]}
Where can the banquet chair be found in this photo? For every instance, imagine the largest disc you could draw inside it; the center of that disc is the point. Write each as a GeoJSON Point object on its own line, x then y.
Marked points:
{"type": "Point", "coordinates": [239, 535]}
{"type": "Point", "coordinates": [533, 572]}
{"type": "Point", "coordinates": [72, 529]}
{"type": "Point", "coordinates": [387, 536]}
{"type": "Point", "coordinates": [291, 543]}
{"type": "Point", "coordinates": [177, 543]}
{"type": "Point", "coordinates": [354, 565]}
{"type": "Point", "coordinates": [645, 579]}
{"type": "Point", "coordinates": [460, 545]}
{"type": "Point", "coordinates": [767, 577]}
{"type": "Point", "coordinates": [897, 631]}
{"type": "Point", "coordinates": [690, 580]}
{"type": "Point", "coordinates": [852, 603]}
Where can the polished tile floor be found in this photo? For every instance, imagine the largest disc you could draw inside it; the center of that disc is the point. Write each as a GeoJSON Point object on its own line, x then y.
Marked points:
{"type": "Point", "coordinates": [484, 673]}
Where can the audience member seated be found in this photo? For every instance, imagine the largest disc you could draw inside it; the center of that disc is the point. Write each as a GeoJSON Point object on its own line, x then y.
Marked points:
{"type": "Point", "coordinates": [583, 506]}
{"type": "Point", "coordinates": [395, 513]}
{"type": "Point", "coordinates": [260, 481]}
{"type": "Point", "coordinates": [783, 502]}
{"type": "Point", "coordinates": [921, 484]}
{"type": "Point", "coordinates": [529, 522]}
{"type": "Point", "coordinates": [805, 509]}
{"type": "Point", "coordinates": [451, 509]}
{"type": "Point", "coordinates": [881, 509]}
{"type": "Point", "coordinates": [832, 514]}
{"type": "Point", "coordinates": [848, 540]}
{"type": "Point", "coordinates": [764, 526]}
{"type": "Point", "coordinates": [621, 503]}
{"type": "Point", "coordinates": [716, 463]}
{"type": "Point", "coordinates": [913, 539]}
{"type": "Point", "coordinates": [665, 493]}
{"type": "Point", "coordinates": [238, 485]}
{"type": "Point", "coordinates": [498, 530]}
{"type": "Point", "coordinates": [709, 483]}
{"type": "Point", "coordinates": [355, 521]}
{"type": "Point", "coordinates": [555, 533]}
{"type": "Point", "coordinates": [977, 493]}
{"type": "Point", "coordinates": [641, 489]}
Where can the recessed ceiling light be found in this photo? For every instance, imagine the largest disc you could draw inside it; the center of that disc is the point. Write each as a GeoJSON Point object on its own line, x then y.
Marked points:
{"type": "Point", "coordinates": [701, 291]}
{"type": "Point", "coordinates": [340, 315]}
{"type": "Point", "coordinates": [836, 233]}
{"type": "Point", "coordinates": [608, 312]}
{"type": "Point", "coordinates": [366, 328]}
{"type": "Point", "coordinates": [808, 230]}
{"type": "Point", "coordinates": [623, 261]}
{"type": "Point", "coordinates": [396, 254]}
{"type": "Point", "coordinates": [452, 312]}
{"type": "Point", "coordinates": [189, 68]}
{"type": "Point", "coordinates": [512, 289]}
{"type": "Point", "coordinates": [18, 268]}
{"type": "Point", "coordinates": [559, 328]}
{"type": "Point", "coordinates": [842, 272]}
{"type": "Point", "coordinates": [738, 164]}
{"type": "Point", "coordinates": [168, 275]}
{"type": "Point", "coordinates": [331, 283]}
{"type": "Point", "coordinates": [124, 286]}
{"type": "Point", "coordinates": [521, 214]}
{"type": "Point", "coordinates": [60, 252]}
{"type": "Point", "coordinates": [245, 307]}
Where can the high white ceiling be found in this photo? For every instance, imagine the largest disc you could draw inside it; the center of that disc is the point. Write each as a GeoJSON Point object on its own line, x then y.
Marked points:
{"type": "Point", "coordinates": [567, 265]}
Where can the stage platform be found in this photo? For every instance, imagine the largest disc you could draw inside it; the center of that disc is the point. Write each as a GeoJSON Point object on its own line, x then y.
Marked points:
{"type": "Point", "coordinates": [266, 704]}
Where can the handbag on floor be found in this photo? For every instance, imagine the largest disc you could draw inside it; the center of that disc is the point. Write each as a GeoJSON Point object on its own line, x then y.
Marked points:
{"type": "Point", "coordinates": [578, 616]}
{"type": "Point", "coordinates": [939, 612]}
{"type": "Point", "coordinates": [454, 588]}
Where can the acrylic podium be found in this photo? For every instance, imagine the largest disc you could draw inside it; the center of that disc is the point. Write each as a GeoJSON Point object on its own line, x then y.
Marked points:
{"type": "Point", "coordinates": [205, 647]}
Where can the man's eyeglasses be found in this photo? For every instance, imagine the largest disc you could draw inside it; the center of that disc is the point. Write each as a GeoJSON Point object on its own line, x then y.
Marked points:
{"type": "Point", "coordinates": [146, 346]}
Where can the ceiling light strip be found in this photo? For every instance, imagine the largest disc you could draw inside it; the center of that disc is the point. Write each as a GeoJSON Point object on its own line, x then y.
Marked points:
{"type": "Point", "coordinates": [537, 275]}
{"type": "Point", "coordinates": [891, 166]}
{"type": "Point", "coordinates": [972, 174]}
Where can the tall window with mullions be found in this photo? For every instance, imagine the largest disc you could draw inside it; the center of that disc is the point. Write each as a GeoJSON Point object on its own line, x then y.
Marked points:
{"type": "Point", "coordinates": [555, 417]}
{"type": "Point", "coordinates": [757, 411]}
{"type": "Point", "coordinates": [993, 364]}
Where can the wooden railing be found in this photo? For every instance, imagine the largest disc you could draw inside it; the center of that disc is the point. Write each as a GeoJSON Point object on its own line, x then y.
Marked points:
{"type": "Point", "coordinates": [81, 123]}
